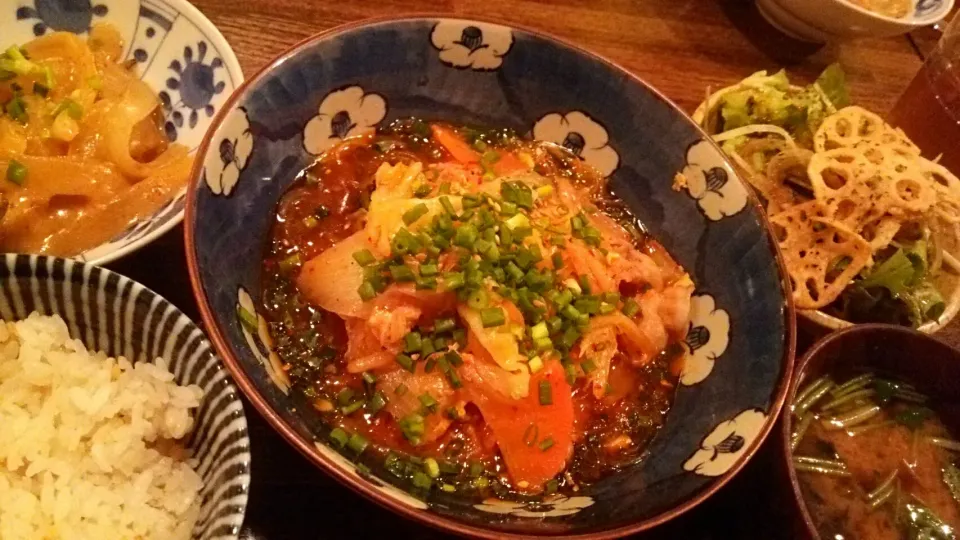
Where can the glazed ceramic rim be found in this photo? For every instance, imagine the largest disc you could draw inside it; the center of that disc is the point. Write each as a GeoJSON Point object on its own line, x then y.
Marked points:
{"type": "Point", "coordinates": [232, 64]}
{"type": "Point", "coordinates": [308, 448]}
{"type": "Point", "coordinates": [787, 423]}
{"type": "Point", "coordinates": [911, 22]}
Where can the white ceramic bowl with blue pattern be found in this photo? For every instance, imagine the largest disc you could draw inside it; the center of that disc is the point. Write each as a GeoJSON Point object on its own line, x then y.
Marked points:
{"type": "Point", "coordinates": [355, 78]}
{"type": "Point", "coordinates": [821, 21]}
{"type": "Point", "coordinates": [179, 54]}
{"type": "Point", "coordinates": [114, 314]}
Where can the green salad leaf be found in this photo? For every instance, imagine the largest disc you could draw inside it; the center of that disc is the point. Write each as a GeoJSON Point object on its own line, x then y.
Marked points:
{"type": "Point", "coordinates": [833, 83]}
{"type": "Point", "coordinates": [924, 302]}
{"type": "Point", "coordinates": [894, 274]}
{"type": "Point", "coordinates": [763, 99]}
{"type": "Point", "coordinates": [898, 290]}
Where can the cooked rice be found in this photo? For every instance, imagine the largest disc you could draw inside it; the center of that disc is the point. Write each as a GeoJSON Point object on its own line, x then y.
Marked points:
{"type": "Point", "coordinates": [77, 437]}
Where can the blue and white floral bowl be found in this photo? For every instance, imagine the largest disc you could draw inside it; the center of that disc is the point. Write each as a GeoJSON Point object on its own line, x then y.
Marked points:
{"type": "Point", "coordinates": [178, 52]}
{"type": "Point", "coordinates": [352, 79]}
{"type": "Point", "coordinates": [114, 314]}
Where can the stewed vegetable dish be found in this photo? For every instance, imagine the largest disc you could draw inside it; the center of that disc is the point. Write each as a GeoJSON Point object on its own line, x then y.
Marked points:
{"type": "Point", "coordinates": [474, 311]}
{"type": "Point", "coordinates": [875, 461]}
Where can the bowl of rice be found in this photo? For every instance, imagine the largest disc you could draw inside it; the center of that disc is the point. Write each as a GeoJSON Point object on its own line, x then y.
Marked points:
{"type": "Point", "coordinates": [117, 420]}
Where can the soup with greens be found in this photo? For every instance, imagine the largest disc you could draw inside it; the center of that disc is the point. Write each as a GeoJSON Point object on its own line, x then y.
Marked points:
{"type": "Point", "coordinates": [874, 461]}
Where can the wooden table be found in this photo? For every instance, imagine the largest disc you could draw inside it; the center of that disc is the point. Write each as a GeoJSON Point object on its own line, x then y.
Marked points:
{"type": "Point", "coordinates": [681, 47]}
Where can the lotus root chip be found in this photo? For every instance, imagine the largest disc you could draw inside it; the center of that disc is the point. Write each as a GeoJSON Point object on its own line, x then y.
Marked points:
{"type": "Point", "coordinates": [814, 248]}
{"type": "Point", "coordinates": [848, 127]}
{"type": "Point", "coordinates": [836, 171]}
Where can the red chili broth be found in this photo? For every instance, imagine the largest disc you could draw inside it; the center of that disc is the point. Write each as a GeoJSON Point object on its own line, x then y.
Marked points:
{"type": "Point", "coordinates": [333, 191]}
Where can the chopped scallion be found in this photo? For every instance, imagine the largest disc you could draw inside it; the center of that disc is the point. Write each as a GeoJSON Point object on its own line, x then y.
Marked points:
{"type": "Point", "coordinates": [17, 172]}
{"type": "Point", "coordinates": [546, 393]}
{"type": "Point", "coordinates": [494, 316]}
{"type": "Point", "coordinates": [364, 257]}
{"type": "Point", "coordinates": [339, 437]}
{"type": "Point", "coordinates": [412, 215]}
{"type": "Point", "coordinates": [546, 444]}
{"type": "Point", "coordinates": [406, 363]}
{"type": "Point", "coordinates": [357, 443]}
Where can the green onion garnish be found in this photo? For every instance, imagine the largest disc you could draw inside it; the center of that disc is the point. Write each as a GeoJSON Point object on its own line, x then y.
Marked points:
{"type": "Point", "coordinates": [353, 407]}
{"type": "Point", "coordinates": [454, 358]}
{"type": "Point", "coordinates": [431, 467]}
{"type": "Point", "coordinates": [588, 366]}
{"type": "Point", "coordinates": [339, 437]}
{"type": "Point", "coordinates": [494, 316]}
{"type": "Point", "coordinates": [422, 480]}
{"type": "Point", "coordinates": [364, 257]}
{"type": "Point", "coordinates": [546, 393]}
{"type": "Point", "coordinates": [17, 172]}
{"type": "Point", "coordinates": [357, 443]}
{"type": "Point", "coordinates": [17, 109]}
{"type": "Point", "coordinates": [546, 444]}
{"type": "Point", "coordinates": [422, 191]}
{"type": "Point", "coordinates": [569, 337]}
{"type": "Point", "coordinates": [444, 325]}
{"type": "Point", "coordinates": [415, 213]}
{"type": "Point", "coordinates": [377, 402]}
{"type": "Point", "coordinates": [630, 307]}
{"type": "Point", "coordinates": [428, 402]}
{"type": "Point", "coordinates": [401, 273]}
{"type": "Point", "coordinates": [466, 236]}
{"type": "Point", "coordinates": [477, 299]}
{"type": "Point", "coordinates": [413, 341]}
{"type": "Point", "coordinates": [453, 280]}
{"type": "Point", "coordinates": [447, 205]}
{"type": "Point", "coordinates": [406, 363]}
{"type": "Point", "coordinates": [366, 291]}
{"type": "Point", "coordinates": [345, 395]}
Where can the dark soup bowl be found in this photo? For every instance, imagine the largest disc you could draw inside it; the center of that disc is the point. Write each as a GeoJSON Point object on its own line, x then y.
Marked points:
{"type": "Point", "coordinates": [735, 354]}
{"type": "Point", "coordinates": [869, 435]}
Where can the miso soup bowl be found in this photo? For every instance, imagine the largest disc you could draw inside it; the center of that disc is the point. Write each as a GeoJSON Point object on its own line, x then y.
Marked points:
{"type": "Point", "coordinates": [929, 364]}
{"type": "Point", "coordinates": [354, 78]}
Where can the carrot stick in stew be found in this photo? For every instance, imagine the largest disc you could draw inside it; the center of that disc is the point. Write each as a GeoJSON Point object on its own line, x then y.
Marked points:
{"type": "Point", "coordinates": [534, 434]}
{"type": "Point", "coordinates": [456, 146]}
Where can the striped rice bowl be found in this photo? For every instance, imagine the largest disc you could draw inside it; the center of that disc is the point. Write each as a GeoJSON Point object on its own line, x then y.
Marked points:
{"type": "Point", "coordinates": [88, 444]}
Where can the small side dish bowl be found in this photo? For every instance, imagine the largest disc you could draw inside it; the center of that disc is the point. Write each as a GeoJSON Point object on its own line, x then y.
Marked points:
{"type": "Point", "coordinates": [354, 78]}
{"type": "Point", "coordinates": [821, 21]}
{"type": "Point", "coordinates": [893, 352]}
{"type": "Point", "coordinates": [111, 313]}
{"type": "Point", "coordinates": [176, 51]}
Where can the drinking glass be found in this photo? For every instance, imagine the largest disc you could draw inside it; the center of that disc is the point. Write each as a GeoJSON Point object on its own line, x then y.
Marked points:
{"type": "Point", "coordinates": [929, 109]}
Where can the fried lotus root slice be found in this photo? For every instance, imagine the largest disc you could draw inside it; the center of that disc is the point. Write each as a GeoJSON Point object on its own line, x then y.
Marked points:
{"type": "Point", "coordinates": [814, 250]}
{"type": "Point", "coordinates": [881, 233]}
{"type": "Point", "coordinates": [848, 127]}
{"type": "Point", "coordinates": [836, 171]}
{"type": "Point", "coordinates": [910, 192]}
{"type": "Point", "coordinates": [787, 167]}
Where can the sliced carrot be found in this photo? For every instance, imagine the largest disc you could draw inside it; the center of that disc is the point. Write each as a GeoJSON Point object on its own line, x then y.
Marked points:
{"type": "Point", "coordinates": [536, 440]}
{"type": "Point", "coordinates": [451, 141]}
{"type": "Point", "coordinates": [508, 163]}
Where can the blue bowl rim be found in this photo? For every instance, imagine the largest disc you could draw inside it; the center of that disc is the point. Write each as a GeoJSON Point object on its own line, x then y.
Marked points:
{"type": "Point", "coordinates": [308, 449]}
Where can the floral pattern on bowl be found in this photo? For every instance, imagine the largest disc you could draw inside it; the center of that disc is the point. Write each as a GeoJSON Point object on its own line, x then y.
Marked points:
{"type": "Point", "coordinates": [177, 52]}
{"type": "Point", "coordinates": [347, 82]}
